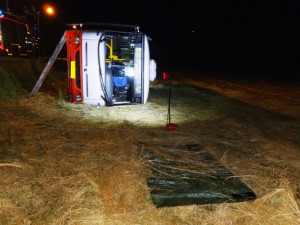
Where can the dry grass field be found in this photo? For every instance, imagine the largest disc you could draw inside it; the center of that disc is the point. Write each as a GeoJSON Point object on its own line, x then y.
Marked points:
{"type": "Point", "coordinates": [63, 163]}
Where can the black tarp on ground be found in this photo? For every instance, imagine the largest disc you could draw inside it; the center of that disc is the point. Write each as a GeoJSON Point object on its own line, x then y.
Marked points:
{"type": "Point", "coordinates": [187, 175]}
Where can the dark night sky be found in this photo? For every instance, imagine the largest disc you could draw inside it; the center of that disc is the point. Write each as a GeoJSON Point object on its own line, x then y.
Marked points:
{"type": "Point", "coordinates": [255, 37]}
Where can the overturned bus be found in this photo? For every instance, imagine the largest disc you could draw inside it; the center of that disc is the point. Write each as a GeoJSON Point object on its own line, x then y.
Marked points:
{"type": "Point", "coordinates": [108, 67]}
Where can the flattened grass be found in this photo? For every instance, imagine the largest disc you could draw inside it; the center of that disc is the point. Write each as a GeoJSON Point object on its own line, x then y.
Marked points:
{"type": "Point", "coordinates": [62, 163]}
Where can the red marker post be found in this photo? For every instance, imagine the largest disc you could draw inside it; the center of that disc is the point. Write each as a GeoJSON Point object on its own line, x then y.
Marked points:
{"type": "Point", "coordinates": [169, 126]}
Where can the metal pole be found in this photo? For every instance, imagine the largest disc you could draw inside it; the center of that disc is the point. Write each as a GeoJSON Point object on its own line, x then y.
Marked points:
{"type": "Point", "coordinates": [47, 68]}
{"type": "Point", "coordinates": [169, 102]}
{"type": "Point", "coordinates": [7, 7]}
{"type": "Point", "coordinates": [38, 23]}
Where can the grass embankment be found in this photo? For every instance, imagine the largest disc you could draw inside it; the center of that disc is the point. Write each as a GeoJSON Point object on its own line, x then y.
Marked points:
{"type": "Point", "coordinates": [62, 163]}
{"type": "Point", "coordinates": [19, 75]}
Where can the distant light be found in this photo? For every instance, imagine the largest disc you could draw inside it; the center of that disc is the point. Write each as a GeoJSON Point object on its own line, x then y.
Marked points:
{"type": "Point", "coordinates": [74, 27]}
{"type": "Point", "coordinates": [49, 10]}
{"type": "Point", "coordinates": [1, 13]}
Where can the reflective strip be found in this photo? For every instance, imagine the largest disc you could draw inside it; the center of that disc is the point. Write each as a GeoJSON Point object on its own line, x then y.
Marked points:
{"type": "Point", "coordinates": [73, 70]}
